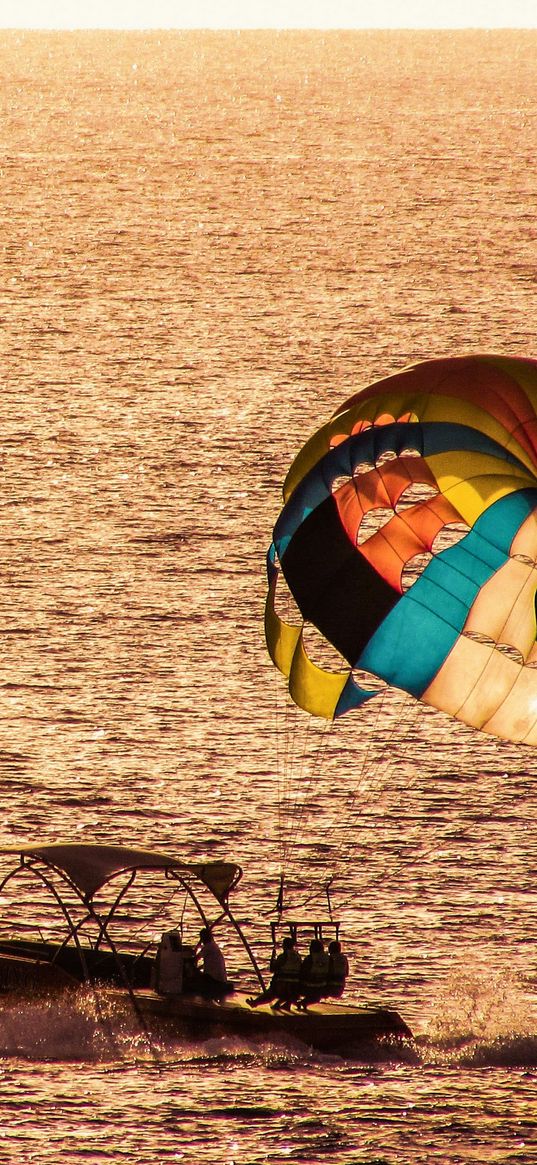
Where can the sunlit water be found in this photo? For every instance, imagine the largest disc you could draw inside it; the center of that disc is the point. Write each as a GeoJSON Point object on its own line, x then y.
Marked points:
{"type": "Point", "coordinates": [209, 241]}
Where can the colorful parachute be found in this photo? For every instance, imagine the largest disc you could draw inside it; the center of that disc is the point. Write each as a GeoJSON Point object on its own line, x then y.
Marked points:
{"type": "Point", "coordinates": [408, 538]}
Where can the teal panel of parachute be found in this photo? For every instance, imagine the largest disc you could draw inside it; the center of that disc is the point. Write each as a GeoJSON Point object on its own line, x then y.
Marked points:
{"type": "Point", "coordinates": [351, 697]}
{"type": "Point", "coordinates": [368, 446]}
{"type": "Point", "coordinates": [413, 641]}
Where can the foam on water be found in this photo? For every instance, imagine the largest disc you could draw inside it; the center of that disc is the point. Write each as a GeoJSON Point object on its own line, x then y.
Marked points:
{"type": "Point", "coordinates": [480, 1018]}
{"type": "Point", "coordinates": [476, 1022]}
{"type": "Point", "coordinates": [82, 1026]}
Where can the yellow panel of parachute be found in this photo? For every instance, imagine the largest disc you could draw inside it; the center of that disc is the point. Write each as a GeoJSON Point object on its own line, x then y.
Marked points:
{"type": "Point", "coordinates": [312, 688]}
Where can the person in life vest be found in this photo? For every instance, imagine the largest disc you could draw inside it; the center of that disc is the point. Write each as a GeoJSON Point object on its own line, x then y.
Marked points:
{"type": "Point", "coordinates": [314, 976]}
{"type": "Point", "coordinates": [338, 970]}
{"type": "Point", "coordinates": [284, 986]}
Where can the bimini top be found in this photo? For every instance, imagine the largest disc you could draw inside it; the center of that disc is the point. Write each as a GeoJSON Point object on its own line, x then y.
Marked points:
{"type": "Point", "coordinates": [89, 867]}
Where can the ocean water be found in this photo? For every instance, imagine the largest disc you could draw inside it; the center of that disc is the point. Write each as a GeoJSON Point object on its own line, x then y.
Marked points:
{"type": "Point", "coordinates": [208, 241]}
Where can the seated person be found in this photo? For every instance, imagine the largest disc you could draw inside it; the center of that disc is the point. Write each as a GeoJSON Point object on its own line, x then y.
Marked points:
{"type": "Point", "coordinates": [168, 978]}
{"type": "Point", "coordinates": [314, 975]}
{"type": "Point", "coordinates": [282, 990]}
{"type": "Point", "coordinates": [338, 970]}
{"type": "Point", "coordinates": [212, 981]}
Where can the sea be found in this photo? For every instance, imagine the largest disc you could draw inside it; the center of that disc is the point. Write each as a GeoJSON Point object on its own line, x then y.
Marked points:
{"type": "Point", "coordinates": [208, 241]}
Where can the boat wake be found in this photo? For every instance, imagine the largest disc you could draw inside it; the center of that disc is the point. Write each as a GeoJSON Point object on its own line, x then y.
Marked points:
{"type": "Point", "coordinates": [478, 1020]}
{"type": "Point", "coordinates": [512, 1051]}
{"type": "Point", "coordinates": [482, 1019]}
{"type": "Point", "coordinates": [81, 1027]}
{"type": "Point", "coordinates": [59, 1028]}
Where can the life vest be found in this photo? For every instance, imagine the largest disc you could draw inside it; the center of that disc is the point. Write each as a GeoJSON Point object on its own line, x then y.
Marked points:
{"type": "Point", "coordinates": [315, 969]}
{"type": "Point", "coordinates": [287, 967]}
{"type": "Point", "coordinates": [338, 970]}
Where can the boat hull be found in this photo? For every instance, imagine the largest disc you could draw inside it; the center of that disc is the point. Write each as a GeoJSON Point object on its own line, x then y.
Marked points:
{"type": "Point", "coordinates": [336, 1028]}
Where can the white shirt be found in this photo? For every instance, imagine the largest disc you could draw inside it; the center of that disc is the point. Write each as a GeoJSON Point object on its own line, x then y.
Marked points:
{"type": "Point", "coordinates": [213, 961]}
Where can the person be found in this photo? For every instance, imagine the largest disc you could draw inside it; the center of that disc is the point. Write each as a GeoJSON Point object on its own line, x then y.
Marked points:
{"type": "Point", "coordinates": [338, 969]}
{"type": "Point", "coordinates": [314, 976]}
{"type": "Point", "coordinates": [212, 981]}
{"type": "Point", "coordinates": [283, 988]}
{"type": "Point", "coordinates": [169, 964]}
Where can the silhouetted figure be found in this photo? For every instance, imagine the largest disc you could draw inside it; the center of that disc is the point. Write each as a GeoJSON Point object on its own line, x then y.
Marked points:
{"type": "Point", "coordinates": [338, 969]}
{"type": "Point", "coordinates": [169, 964]}
{"type": "Point", "coordinates": [283, 988]}
{"type": "Point", "coordinates": [212, 981]}
{"type": "Point", "coordinates": [314, 974]}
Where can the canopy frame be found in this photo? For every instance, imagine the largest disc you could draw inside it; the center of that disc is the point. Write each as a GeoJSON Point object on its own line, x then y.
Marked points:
{"type": "Point", "coordinates": [85, 888]}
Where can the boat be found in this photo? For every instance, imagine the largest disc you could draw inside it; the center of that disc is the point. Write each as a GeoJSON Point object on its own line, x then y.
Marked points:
{"type": "Point", "coordinates": [88, 885]}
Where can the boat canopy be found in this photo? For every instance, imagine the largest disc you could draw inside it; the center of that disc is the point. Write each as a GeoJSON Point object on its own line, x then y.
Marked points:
{"type": "Point", "coordinates": [89, 867]}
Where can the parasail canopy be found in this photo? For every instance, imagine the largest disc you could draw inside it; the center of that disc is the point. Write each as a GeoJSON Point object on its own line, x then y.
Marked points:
{"type": "Point", "coordinates": [408, 538]}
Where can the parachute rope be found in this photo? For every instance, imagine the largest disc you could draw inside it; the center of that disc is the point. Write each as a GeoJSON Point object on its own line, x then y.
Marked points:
{"type": "Point", "coordinates": [299, 805]}
{"type": "Point", "coordinates": [369, 787]}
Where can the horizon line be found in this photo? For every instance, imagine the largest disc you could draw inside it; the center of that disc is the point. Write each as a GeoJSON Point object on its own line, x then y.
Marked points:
{"type": "Point", "coordinates": [269, 28]}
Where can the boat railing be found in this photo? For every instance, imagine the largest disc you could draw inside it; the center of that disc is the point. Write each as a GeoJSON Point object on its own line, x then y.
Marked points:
{"type": "Point", "coordinates": [317, 928]}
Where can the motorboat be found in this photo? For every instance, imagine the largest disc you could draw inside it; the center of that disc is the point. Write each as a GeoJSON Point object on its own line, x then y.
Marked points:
{"type": "Point", "coordinates": [89, 934]}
